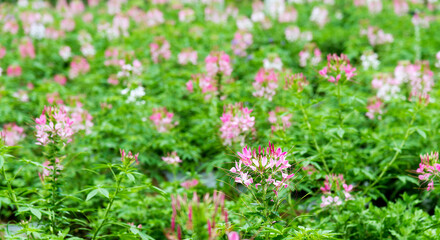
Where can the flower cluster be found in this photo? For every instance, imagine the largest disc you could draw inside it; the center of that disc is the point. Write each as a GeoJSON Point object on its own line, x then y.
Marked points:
{"type": "Point", "coordinates": [82, 120]}
{"type": "Point", "coordinates": [293, 33]}
{"type": "Point", "coordinates": [273, 62]}
{"type": "Point", "coordinates": [377, 36]}
{"type": "Point", "coordinates": [12, 134]}
{"type": "Point", "coordinates": [242, 40]}
{"type": "Point", "coordinates": [337, 67]}
{"type": "Point", "coordinates": [53, 126]}
{"type": "Point", "coordinates": [190, 183]}
{"type": "Point", "coordinates": [295, 81]}
{"type": "Point", "coordinates": [280, 119]}
{"type": "Point", "coordinates": [13, 71]}
{"type": "Point", "coordinates": [162, 119]}
{"type": "Point", "coordinates": [319, 16]}
{"type": "Point", "coordinates": [429, 169]}
{"type": "Point", "coordinates": [48, 168]}
{"type": "Point", "coordinates": [134, 95]}
{"type": "Point", "coordinates": [265, 168]}
{"type": "Point", "coordinates": [374, 107]}
{"type": "Point", "coordinates": [128, 70]}
{"type": "Point", "coordinates": [218, 63]}
{"type": "Point", "coordinates": [187, 56]}
{"type": "Point", "coordinates": [160, 49]}
{"type": "Point", "coordinates": [311, 55]}
{"type": "Point", "coordinates": [369, 60]}
{"type": "Point", "coordinates": [335, 191]}
{"type": "Point", "coordinates": [197, 216]}
{"type": "Point", "coordinates": [27, 49]}
{"type": "Point", "coordinates": [266, 83]}
{"type": "Point", "coordinates": [172, 159]}
{"type": "Point", "coordinates": [78, 66]}
{"type": "Point", "coordinates": [236, 123]}
{"type": "Point", "coordinates": [129, 158]}
{"type": "Point", "coordinates": [206, 84]}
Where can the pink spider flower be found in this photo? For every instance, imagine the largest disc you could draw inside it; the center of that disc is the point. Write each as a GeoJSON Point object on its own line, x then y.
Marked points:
{"type": "Point", "coordinates": [189, 184]}
{"type": "Point", "coordinates": [61, 79]}
{"type": "Point", "coordinates": [266, 83]}
{"type": "Point", "coordinates": [187, 56]}
{"type": "Point", "coordinates": [129, 158]}
{"type": "Point", "coordinates": [206, 84]}
{"type": "Point", "coordinates": [53, 126]}
{"type": "Point", "coordinates": [337, 67]}
{"type": "Point", "coordinates": [163, 120]}
{"type": "Point", "coordinates": [218, 63]}
{"type": "Point", "coordinates": [263, 168]}
{"type": "Point", "coordinates": [429, 169]}
{"type": "Point", "coordinates": [47, 169]}
{"type": "Point", "coordinates": [27, 49]}
{"type": "Point", "coordinates": [12, 134]}
{"type": "Point", "coordinates": [374, 108]}
{"type": "Point", "coordinates": [311, 55]}
{"type": "Point", "coordinates": [2, 52]}
{"type": "Point", "coordinates": [154, 17]}
{"type": "Point", "coordinates": [160, 49]}
{"type": "Point", "coordinates": [242, 40]}
{"type": "Point", "coordinates": [79, 65]}
{"type": "Point", "coordinates": [335, 191]}
{"type": "Point", "coordinates": [295, 81]}
{"type": "Point", "coordinates": [13, 71]}
{"type": "Point", "coordinates": [236, 124]}
{"type": "Point", "coordinates": [172, 159]}
{"type": "Point", "coordinates": [280, 119]}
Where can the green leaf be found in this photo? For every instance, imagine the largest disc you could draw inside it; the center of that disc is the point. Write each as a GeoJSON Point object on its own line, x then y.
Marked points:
{"type": "Point", "coordinates": [421, 133]}
{"type": "Point", "coordinates": [131, 177]}
{"type": "Point", "coordinates": [2, 161]}
{"type": "Point", "coordinates": [103, 192]}
{"type": "Point", "coordinates": [91, 194]}
{"type": "Point", "coordinates": [340, 132]}
{"type": "Point", "coordinates": [36, 212]}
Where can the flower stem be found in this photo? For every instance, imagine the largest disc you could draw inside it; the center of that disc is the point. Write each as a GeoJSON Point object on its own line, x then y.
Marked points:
{"type": "Point", "coordinates": [396, 154]}
{"type": "Point", "coordinates": [309, 126]}
{"type": "Point", "coordinates": [109, 206]}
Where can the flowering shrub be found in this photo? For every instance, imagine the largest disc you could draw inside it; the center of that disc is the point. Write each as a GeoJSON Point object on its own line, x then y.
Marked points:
{"type": "Point", "coordinates": [192, 88]}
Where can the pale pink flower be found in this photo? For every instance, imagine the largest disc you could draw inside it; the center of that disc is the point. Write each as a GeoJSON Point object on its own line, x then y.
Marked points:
{"type": "Point", "coordinates": [429, 169]}
{"type": "Point", "coordinates": [266, 83]}
{"type": "Point", "coordinates": [377, 36]}
{"type": "Point", "coordinates": [154, 17]}
{"type": "Point", "coordinates": [319, 16]}
{"type": "Point", "coordinates": [163, 120]}
{"type": "Point", "coordinates": [280, 119]}
{"type": "Point", "coordinates": [61, 79]}
{"type": "Point", "coordinates": [12, 134]}
{"type": "Point", "coordinates": [186, 15]}
{"type": "Point", "coordinates": [47, 169]}
{"type": "Point", "coordinates": [27, 49]}
{"type": "Point", "coordinates": [160, 49]}
{"type": "Point", "coordinates": [79, 65]}
{"type": "Point", "coordinates": [2, 52]}
{"type": "Point", "coordinates": [65, 52]}
{"type": "Point", "coordinates": [189, 184]}
{"type": "Point", "coordinates": [311, 55]}
{"type": "Point", "coordinates": [335, 184]}
{"type": "Point", "coordinates": [400, 7]}
{"type": "Point", "coordinates": [289, 15]}
{"type": "Point", "coordinates": [172, 159]}
{"type": "Point", "coordinates": [53, 126]}
{"type": "Point", "coordinates": [67, 24]}
{"type": "Point", "coordinates": [242, 40]}
{"type": "Point", "coordinates": [374, 108]}
{"type": "Point", "coordinates": [218, 63]}
{"type": "Point", "coordinates": [337, 67]}
{"type": "Point", "coordinates": [187, 56]}
{"type": "Point", "coordinates": [236, 124]}
{"type": "Point", "coordinates": [21, 95]}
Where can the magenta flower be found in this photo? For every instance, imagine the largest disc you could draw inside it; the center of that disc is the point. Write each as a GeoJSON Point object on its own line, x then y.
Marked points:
{"type": "Point", "coordinates": [337, 67]}
{"type": "Point", "coordinates": [333, 190]}
{"type": "Point", "coordinates": [266, 168]}
{"type": "Point", "coordinates": [429, 169]}
{"type": "Point", "coordinates": [218, 63]}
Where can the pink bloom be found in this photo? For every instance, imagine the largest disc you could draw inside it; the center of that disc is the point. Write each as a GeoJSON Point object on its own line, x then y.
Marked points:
{"type": "Point", "coordinates": [13, 71]}
{"type": "Point", "coordinates": [189, 184]}
{"type": "Point", "coordinates": [172, 158]}
{"type": "Point", "coordinates": [160, 49]}
{"type": "Point", "coordinates": [187, 56]}
{"type": "Point", "coordinates": [218, 63]}
{"type": "Point", "coordinates": [242, 40]}
{"type": "Point", "coordinates": [162, 119]}
{"type": "Point", "coordinates": [60, 79]}
{"type": "Point", "coordinates": [236, 123]}
{"type": "Point", "coordinates": [79, 65]}
{"type": "Point", "coordinates": [280, 119]}
{"type": "Point", "coordinates": [53, 126]}
{"type": "Point", "coordinates": [265, 84]}
{"type": "Point", "coordinates": [27, 50]}
{"type": "Point", "coordinates": [12, 134]}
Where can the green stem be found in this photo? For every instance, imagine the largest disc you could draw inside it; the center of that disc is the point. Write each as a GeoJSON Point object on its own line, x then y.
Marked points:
{"type": "Point", "coordinates": [309, 126]}
{"type": "Point", "coordinates": [396, 154]}
{"type": "Point", "coordinates": [109, 206]}
{"type": "Point", "coordinates": [341, 124]}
